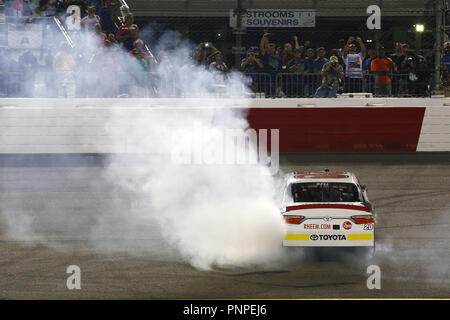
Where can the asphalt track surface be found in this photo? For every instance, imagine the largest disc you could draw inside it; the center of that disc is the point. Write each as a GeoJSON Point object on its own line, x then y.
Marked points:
{"type": "Point", "coordinates": [410, 193]}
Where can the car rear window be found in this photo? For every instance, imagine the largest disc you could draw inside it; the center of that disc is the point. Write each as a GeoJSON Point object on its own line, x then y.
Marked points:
{"type": "Point", "coordinates": [325, 192]}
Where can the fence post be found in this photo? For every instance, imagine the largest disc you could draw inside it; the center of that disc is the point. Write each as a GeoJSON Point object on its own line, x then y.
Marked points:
{"type": "Point", "coordinates": [437, 47]}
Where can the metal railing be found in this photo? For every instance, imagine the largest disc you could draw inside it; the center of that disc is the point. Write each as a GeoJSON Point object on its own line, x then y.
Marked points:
{"type": "Point", "coordinates": [44, 83]}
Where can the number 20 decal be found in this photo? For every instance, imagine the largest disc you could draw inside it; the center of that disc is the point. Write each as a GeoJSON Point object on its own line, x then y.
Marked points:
{"type": "Point", "coordinates": [368, 226]}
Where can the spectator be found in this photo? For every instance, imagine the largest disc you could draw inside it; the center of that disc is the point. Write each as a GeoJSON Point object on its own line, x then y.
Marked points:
{"type": "Point", "coordinates": [140, 53]}
{"type": "Point", "coordinates": [340, 50]}
{"type": "Point", "coordinates": [404, 65]}
{"type": "Point", "coordinates": [218, 66]}
{"type": "Point", "coordinates": [48, 8]}
{"type": "Point", "coordinates": [310, 78]}
{"type": "Point", "coordinates": [202, 52]}
{"type": "Point", "coordinates": [139, 69]}
{"type": "Point", "coordinates": [28, 67]}
{"type": "Point", "coordinates": [418, 76]}
{"type": "Point", "coordinates": [128, 32]}
{"type": "Point", "coordinates": [445, 67]}
{"type": "Point", "coordinates": [90, 21]}
{"type": "Point", "coordinates": [18, 7]}
{"type": "Point", "coordinates": [34, 7]}
{"type": "Point", "coordinates": [335, 52]}
{"type": "Point", "coordinates": [272, 63]}
{"type": "Point", "coordinates": [297, 65]}
{"type": "Point", "coordinates": [9, 76]}
{"type": "Point", "coordinates": [353, 65]}
{"type": "Point", "coordinates": [332, 74]}
{"type": "Point", "coordinates": [369, 80]}
{"type": "Point", "coordinates": [320, 61]}
{"type": "Point", "coordinates": [416, 67]}
{"type": "Point", "coordinates": [112, 39]}
{"type": "Point", "coordinates": [105, 17]}
{"type": "Point", "coordinates": [288, 54]}
{"type": "Point", "coordinates": [100, 35]}
{"type": "Point", "coordinates": [397, 57]}
{"type": "Point", "coordinates": [382, 66]}
{"type": "Point", "coordinates": [253, 65]}
{"type": "Point", "coordinates": [49, 75]}
{"type": "Point", "coordinates": [64, 67]}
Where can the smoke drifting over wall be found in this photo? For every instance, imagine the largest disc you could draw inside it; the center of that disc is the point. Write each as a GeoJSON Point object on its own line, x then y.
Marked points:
{"type": "Point", "coordinates": [206, 215]}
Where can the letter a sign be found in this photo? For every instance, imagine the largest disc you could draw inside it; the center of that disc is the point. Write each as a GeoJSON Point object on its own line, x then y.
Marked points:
{"type": "Point", "coordinates": [374, 20]}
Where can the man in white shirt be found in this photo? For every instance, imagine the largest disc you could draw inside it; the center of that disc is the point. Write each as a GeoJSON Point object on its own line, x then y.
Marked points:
{"type": "Point", "coordinates": [91, 20]}
{"type": "Point", "coordinates": [353, 65]}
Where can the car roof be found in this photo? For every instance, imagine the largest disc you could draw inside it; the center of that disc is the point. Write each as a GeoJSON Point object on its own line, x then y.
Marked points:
{"type": "Point", "coordinates": [321, 176]}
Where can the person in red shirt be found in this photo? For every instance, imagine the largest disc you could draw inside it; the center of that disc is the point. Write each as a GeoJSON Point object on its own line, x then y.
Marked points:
{"type": "Point", "coordinates": [128, 32]}
{"type": "Point", "coordinates": [381, 67]}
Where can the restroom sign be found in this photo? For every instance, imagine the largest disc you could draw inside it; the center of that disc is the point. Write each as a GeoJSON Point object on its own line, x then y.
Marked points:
{"type": "Point", "coordinates": [275, 18]}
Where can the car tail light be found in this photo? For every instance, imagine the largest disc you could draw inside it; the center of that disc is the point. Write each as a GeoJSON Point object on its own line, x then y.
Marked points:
{"type": "Point", "coordinates": [363, 219]}
{"type": "Point", "coordinates": [293, 219]}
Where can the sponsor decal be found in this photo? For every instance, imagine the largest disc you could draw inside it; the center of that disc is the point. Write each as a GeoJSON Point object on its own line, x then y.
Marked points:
{"type": "Point", "coordinates": [336, 227]}
{"type": "Point", "coordinates": [334, 237]}
{"type": "Point", "coordinates": [368, 236]}
{"type": "Point", "coordinates": [347, 225]}
{"type": "Point", "coordinates": [296, 237]}
{"type": "Point", "coordinates": [322, 226]}
{"type": "Point", "coordinates": [314, 237]}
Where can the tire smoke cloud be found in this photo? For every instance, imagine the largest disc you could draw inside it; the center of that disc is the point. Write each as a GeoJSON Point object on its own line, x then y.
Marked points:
{"type": "Point", "coordinates": [206, 215]}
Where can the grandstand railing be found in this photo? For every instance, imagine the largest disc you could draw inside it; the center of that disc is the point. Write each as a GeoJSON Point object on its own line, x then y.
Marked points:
{"type": "Point", "coordinates": [44, 84]}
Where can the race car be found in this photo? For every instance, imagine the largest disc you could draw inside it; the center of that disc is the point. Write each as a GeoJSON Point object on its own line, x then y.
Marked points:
{"type": "Point", "coordinates": [327, 209]}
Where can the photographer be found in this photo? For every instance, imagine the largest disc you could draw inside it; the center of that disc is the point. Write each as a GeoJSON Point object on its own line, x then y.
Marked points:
{"type": "Point", "coordinates": [381, 67]}
{"type": "Point", "coordinates": [353, 64]}
{"type": "Point", "coordinates": [218, 66]}
{"type": "Point", "coordinates": [418, 76]}
{"type": "Point", "coordinates": [252, 65]}
{"type": "Point", "coordinates": [332, 74]}
{"type": "Point", "coordinates": [201, 53]}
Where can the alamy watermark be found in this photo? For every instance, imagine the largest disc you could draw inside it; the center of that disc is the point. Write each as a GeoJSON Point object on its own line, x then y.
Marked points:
{"type": "Point", "coordinates": [74, 280]}
{"type": "Point", "coordinates": [374, 20]}
{"type": "Point", "coordinates": [225, 146]}
{"type": "Point", "coordinates": [374, 280]}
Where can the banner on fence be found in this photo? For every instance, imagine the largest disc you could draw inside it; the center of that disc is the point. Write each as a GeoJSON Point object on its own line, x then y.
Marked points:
{"type": "Point", "coordinates": [275, 18]}
{"type": "Point", "coordinates": [27, 36]}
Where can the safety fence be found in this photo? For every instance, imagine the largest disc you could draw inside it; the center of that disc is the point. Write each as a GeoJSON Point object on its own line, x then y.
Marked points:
{"type": "Point", "coordinates": [111, 84]}
{"type": "Point", "coordinates": [301, 85]}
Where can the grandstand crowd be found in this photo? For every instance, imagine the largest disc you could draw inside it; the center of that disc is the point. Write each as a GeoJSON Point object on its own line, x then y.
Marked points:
{"type": "Point", "coordinates": [292, 69]}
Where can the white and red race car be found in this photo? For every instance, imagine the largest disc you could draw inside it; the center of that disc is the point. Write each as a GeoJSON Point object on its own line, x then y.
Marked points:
{"type": "Point", "coordinates": [327, 209]}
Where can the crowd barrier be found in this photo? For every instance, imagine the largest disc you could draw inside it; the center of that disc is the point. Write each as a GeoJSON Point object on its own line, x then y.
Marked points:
{"type": "Point", "coordinates": [44, 84]}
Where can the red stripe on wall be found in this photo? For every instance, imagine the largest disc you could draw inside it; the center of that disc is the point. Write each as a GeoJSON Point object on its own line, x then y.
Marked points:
{"type": "Point", "coordinates": [365, 129]}
{"type": "Point", "coordinates": [328, 206]}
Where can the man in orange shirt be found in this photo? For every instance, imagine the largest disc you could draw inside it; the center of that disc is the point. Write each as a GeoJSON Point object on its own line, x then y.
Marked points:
{"type": "Point", "coordinates": [381, 67]}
